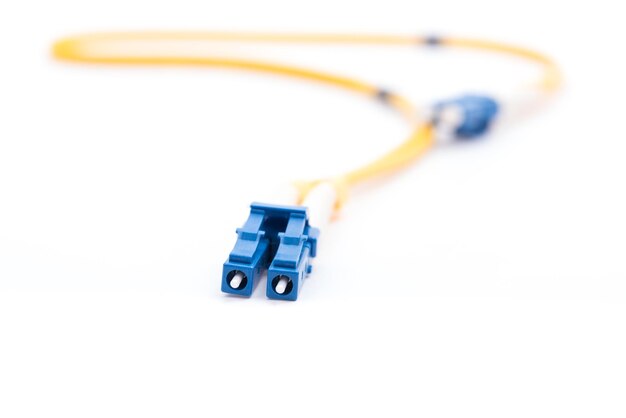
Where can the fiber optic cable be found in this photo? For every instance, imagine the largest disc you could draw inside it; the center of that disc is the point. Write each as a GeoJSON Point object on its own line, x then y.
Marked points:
{"type": "Point", "coordinates": [280, 239]}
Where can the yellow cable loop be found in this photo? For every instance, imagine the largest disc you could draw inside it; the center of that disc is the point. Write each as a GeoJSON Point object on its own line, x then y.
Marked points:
{"type": "Point", "coordinates": [89, 48]}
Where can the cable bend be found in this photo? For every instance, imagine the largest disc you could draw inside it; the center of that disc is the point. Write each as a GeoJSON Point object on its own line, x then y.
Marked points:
{"type": "Point", "coordinates": [124, 48]}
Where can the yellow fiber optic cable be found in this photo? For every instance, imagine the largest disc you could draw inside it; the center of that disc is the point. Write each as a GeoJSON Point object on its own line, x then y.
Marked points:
{"type": "Point", "coordinates": [108, 48]}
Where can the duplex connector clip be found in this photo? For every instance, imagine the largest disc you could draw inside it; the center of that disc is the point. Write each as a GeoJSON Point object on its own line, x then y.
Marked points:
{"type": "Point", "coordinates": [275, 238]}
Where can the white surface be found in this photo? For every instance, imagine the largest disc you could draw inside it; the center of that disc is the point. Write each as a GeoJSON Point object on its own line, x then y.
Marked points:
{"type": "Point", "coordinates": [118, 205]}
{"type": "Point", "coordinates": [321, 203]}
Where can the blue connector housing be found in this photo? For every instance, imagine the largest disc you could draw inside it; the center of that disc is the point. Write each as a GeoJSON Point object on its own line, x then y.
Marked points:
{"type": "Point", "coordinates": [275, 238]}
{"type": "Point", "coordinates": [477, 113]}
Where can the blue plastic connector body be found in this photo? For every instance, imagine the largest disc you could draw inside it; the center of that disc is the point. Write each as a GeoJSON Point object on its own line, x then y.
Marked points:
{"type": "Point", "coordinates": [477, 113]}
{"type": "Point", "coordinates": [275, 238]}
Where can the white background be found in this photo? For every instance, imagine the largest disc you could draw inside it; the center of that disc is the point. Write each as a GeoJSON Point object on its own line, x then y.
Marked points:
{"type": "Point", "coordinates": [488, 280]}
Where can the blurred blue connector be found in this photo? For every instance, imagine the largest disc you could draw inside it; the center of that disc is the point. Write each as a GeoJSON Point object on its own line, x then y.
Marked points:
{"type": "Point", "coordinates": [467, 117]}
{"type": "Point", "coordinates": [275, 238]}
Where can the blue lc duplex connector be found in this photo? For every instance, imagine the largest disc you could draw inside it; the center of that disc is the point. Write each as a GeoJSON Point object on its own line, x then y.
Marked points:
{"type": "Point", "coordinates": [275, 238]}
